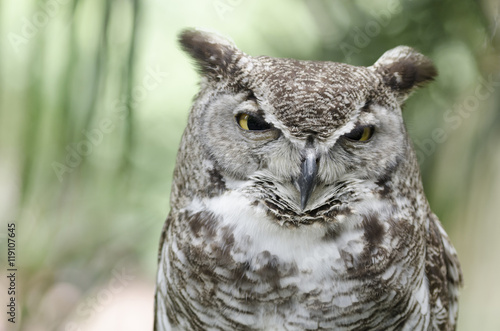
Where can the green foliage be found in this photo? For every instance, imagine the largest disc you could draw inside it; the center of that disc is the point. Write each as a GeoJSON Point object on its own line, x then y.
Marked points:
{"type": "Point", "coordinates": [95, 94]}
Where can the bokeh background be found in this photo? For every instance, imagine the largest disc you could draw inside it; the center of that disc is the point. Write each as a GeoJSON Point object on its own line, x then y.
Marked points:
{"type": "Point", "coordinates": [94, 95]}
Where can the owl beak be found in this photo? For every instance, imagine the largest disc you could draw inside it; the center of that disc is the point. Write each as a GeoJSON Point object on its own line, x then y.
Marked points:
{"type": "Point", "coordinates": [306, 180]}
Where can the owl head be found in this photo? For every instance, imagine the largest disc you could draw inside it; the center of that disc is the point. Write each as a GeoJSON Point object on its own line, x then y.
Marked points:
{"type": "Point", "coordinates": [303, 138]}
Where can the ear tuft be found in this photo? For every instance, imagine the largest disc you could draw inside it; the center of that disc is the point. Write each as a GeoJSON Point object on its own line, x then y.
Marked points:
{"type": "Point", "coordinates": [213, 53]}
{"type": "Point", "coordinates": [403, 69]}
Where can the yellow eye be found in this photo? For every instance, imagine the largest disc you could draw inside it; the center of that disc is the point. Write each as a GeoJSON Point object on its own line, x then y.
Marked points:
{"type": "Point", "coordinates": [367, 134]}
{"type": "Point", "coordinates": [361, 133]}
{"type": "Point", "coordinates": [252, 122]}
{"type": "Point", "coordinates": [243, 121]}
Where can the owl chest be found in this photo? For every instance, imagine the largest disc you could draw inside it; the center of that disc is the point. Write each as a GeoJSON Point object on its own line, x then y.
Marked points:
{"type": "Point", "coordinates": [257, 276]}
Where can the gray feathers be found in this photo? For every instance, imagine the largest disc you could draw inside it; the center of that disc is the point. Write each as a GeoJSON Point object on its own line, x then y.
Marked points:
{"type": "Point", "coordinates": [297, 201]}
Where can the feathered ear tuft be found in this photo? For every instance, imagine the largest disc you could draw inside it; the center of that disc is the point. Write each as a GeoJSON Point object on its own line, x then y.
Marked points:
{"type": "Point", "coordinates": [213, 53]}
{"type": "Point", "coordinates": [403, 69]}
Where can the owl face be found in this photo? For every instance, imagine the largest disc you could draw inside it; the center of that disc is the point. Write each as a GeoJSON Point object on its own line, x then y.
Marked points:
{"type": "Point", "coordinates": [301, 133]}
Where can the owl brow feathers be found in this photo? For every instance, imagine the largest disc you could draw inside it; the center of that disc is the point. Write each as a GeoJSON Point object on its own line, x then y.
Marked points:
{"type": "Point", "coordinates": [402, 69]}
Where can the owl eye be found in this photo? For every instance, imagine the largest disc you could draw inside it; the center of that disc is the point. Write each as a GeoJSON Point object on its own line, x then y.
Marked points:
{"type": "Point", "coordinates": [360, 133]}
{"type": "Point", "coordinates": [251, 122]}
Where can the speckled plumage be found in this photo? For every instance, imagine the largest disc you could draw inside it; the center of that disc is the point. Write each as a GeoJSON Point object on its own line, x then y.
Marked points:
{"type": "Point", "coordinates": [240, 250]}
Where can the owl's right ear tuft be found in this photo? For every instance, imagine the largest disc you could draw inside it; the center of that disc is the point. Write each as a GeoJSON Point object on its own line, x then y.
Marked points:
{"type": "Point", "coordinates": [213, 53]}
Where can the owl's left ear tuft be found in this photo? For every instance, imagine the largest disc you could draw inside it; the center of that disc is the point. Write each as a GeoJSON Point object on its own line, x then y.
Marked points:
{"type": "Point", "coordinates": [403, 69]}
{"type": "Point", "coordinates": [213, 53]}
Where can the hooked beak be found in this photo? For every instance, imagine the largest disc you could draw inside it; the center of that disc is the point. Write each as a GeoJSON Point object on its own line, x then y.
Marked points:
{"type": "Point", "coordinates": [308, 172]}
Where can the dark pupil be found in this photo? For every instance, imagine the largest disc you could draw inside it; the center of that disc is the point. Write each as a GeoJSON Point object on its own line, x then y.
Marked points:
{"type": "Point", "coordinates": [356, 134]}
{"type": "Point", "coordinates": [258, 124]}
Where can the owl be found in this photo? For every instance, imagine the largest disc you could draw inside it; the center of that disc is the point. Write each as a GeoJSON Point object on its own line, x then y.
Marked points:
{"type": "Point", "coordinates": [297, 202]}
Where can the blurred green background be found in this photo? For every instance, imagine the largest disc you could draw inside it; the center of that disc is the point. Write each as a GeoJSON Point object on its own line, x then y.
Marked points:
{"type": "Point", "coordinates": [94, 95]}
